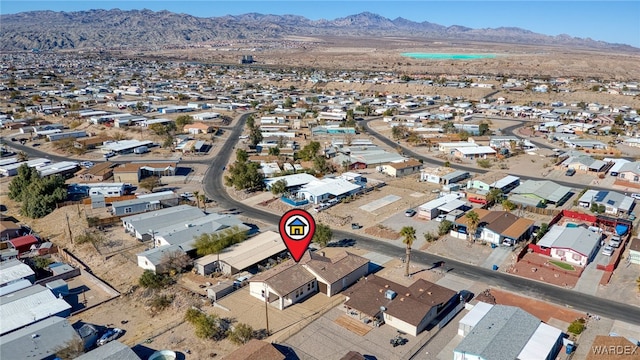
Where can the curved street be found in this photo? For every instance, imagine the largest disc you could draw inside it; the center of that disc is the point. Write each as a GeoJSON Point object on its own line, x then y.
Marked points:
{"type": "Point", "coordinates": [215, 190]}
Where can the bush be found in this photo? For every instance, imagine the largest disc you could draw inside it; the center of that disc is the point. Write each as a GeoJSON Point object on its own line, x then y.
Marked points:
{"type": "Point", "coordinates": [89, 237]}
{"type": "Point", "coordinates": [151, 280]}
{"type": "Point", "coordinates": [241, 334]}
{"type": "Point", "coordinates": [484, 163]}
{"type": "Point", "coordinates": [444, 227]}
{"type": "Point", "coordinates": [577, 326]}
{"type": "Point", "coordinates": [161, 302]}
{"type": "Point", "coordinates": [430, 237]}
{"type": "Point", "coordinates": [207, 326]}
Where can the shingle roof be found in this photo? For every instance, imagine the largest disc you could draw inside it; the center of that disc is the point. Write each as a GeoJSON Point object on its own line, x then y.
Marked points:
{"type": "Point", "coordinates": [332, 270]}
{"type": "Point", "coordinates": [285, 278]}
{"type": "Point", "coordinates": [256, 350]}
{"type": "Point", "coordinates": [410, 305]}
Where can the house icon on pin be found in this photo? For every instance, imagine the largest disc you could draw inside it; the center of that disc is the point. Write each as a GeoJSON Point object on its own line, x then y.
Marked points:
{"type": "Point", "coordinates": [296, 227]}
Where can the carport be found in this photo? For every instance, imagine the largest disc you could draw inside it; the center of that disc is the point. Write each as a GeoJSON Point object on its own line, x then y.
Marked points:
{"type": "Point", "coordinates": [451, 205]}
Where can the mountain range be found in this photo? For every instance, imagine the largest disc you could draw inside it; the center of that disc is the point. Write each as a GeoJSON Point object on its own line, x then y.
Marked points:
{"type": "Point", "coordinates": [144, 29]}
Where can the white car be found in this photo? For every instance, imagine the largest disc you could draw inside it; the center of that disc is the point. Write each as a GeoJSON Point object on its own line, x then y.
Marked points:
{"type": "Point", "coordinates": [109, 335]}
{"type": "Point", "coordinates": [441, 217]}
{"type": "Point", "coordinates": [635, 196]}
{"type": "Point", "coordinates": [607, 251]}
{"type": "Point", "coordinates": [86, 164]}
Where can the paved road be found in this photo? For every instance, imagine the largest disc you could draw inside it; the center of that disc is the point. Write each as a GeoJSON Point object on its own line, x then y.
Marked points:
{"type": "Point", "coordinates": [214, 189]}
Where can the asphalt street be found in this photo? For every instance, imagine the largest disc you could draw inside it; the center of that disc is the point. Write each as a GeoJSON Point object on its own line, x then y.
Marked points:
{"type": "Point", "coordinates": [214, 188]}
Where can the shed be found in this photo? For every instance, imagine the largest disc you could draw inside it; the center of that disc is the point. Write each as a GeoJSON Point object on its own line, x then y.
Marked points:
{"type": "Point", "coordinates": [219, 290]}
{"type": "Point", "coordinates": [23, 243]}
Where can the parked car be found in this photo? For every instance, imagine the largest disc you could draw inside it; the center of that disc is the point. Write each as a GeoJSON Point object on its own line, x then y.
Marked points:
{"type": "Point", "coordinates": [441, 217]}
{"type": "Point", "coordinates": [409, 213]}
{"type": "Point", "coordinates": [478, 200]}
{"type": "Point", "coordinates": [607, 251]}
{"type": "Point", "coordinates": [570, 172]}
{"type": "Point", "coordinates": [109, 335]}
{"type": "Point", "coordinates": [635, 196]}
{"type": "Point", "coordinates": [465, 295]}
{"type": "Point", "coordinates": [109, 154]}
{"type": "Point", "coordinates": [614, 241]}
{"type": "Point", "coordinates": [86, 164]}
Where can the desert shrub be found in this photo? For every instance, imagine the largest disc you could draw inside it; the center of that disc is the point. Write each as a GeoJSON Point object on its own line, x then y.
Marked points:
{"type": "Point", "coordinates": [577, 326]}
{"type": "Point", "coordinates": [151, 280]}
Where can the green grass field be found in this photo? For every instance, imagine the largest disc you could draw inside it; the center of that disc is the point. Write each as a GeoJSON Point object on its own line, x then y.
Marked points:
{"type": "Point", "coordinates": [562, 265]}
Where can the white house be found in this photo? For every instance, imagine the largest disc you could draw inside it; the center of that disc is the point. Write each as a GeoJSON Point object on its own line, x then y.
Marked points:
{"type": "Point", "coordinates": [576, 245]}
{"type": "Point", "coordinates": [318, 191]}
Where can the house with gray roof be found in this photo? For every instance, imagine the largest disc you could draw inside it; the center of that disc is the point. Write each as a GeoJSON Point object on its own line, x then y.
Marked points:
{"type": "Point", "coordinates": [614, 203]}
{"type": "Point", "coordinates": [630, 172]}
{"type": "Point", "coordinates": [540, 193]}
{"type": "Point", "coordinates": [39, 340]}
{"type": "Point", "coordinates": [143, 225]}
{"type": "Point", "coordinates": [29, 305]}
{"type": "Point", "coordinates": [144, 203]}
{"type": "Point", "coordinates": [577, 245]}
{"type": "Point", "coordinates": [153, 258]}
{"type": "Point", "coordinates": [500, 332]}
{"type": "Point", "coordinates": [584, 163]}
{"type": "Point", "coordinates": [113, 350]}
{"type": "Point", "coordinates": [184, 233]}
{"type": "Point", "coordinates": [15, 270]}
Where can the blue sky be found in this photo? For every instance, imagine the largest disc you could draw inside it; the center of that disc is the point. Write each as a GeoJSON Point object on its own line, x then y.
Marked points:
{"type": "Point", "coordinates": [611, 21]}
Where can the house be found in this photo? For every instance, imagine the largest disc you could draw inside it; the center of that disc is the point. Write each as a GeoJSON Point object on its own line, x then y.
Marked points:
{"type": "Point", "coordinates": [89, 143]}
{"type": "Point", "coordinates": [99, 172]}
{"type": "Point", "coordinates": [495, 227]}
{"type": "Point", "coordinates": [614, 203]}
{"type": "Point", "coordinates": [124, 146]}
{"type": "Point", "coordinates": [141, 225]}
{"type": "Point", "coordinates": [256, 350]}
{"type": "Point", "coordinates": [15, 270]}
{"type": "Point", "coordinates": [198, 128]}
{"type": "Point", "coordinates": [408, 309]}
{"type": "Point", "coordinates": [399, 169]}
{"type": "Point", "coordinates": [479, 152]}
{"type": "Point", "coordinates": [630, 172]}
{"type": "Point", "coordinates": [584, 163]}
{"type": "Point", "coordinates": [577, 245]}
{"type": "Point", "coordinates": [184, 233]}
{"type": "Point", "coordinates": [9, 230]}
{"type": "Point", "coordinates": [113, 350]}
{"type": "Point", "coordinates": [133, 173]}
{"type": "Point", "coordinates": [40, 340]}
{"type": "Point", "coordinates": [634, 251]}
{"type": "Point", "coordinates": [493, 180]}
{"type": "Point", "coordinates": [318, 191]}
{"type": "Point", "coordinates": [500, 332]}
{"type": "Point", "coordinates": [241, 256]}
{"type": "Point", "coordinates": [539, 193]}
{"type": "Point", "coordinates": [43, 304]}
{"type": "Point", "coordinates": [291, 282]}
{"type": "Point", "coordinates": [430, 210]}
{"type": "Point", "coordinates": [153, 259]}
{"type": "Point", "coordinates": [146, 202]}
{"type": "Point", "coordinates": [585, 144]}
{"type": "Point", "coordinates": [294, 181]}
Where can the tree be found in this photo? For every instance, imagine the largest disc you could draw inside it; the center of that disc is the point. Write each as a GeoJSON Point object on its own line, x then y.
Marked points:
{"type": "Point", "coordinates": [241, 334]}
{"type": "Point", "coordinates": [175, 261]}
{"type": "Point", "coordinates": [207, 326]}
{"type": "Point", "coordinates": [444, 227]}
{"type": "Point", "coordinates": [38, 195]}
{"type": "Point", "coordinates": [323, 235]}
{"type": "Point", "coordinates": [203, 200]}
{"type": "Point", "coordinates": [494, 196]}
{"type": "Point", "coordinates": [483, 128]}
{"type": "Point", "coordinates": [279, 187]}
{"type": "Point", "coordinates": [464, 135]}
{"type": "Point", "coordinates": [255, 136]}
{"type": "Point", "coordinates": [321, 165]}
{"type": "Point", "coordinates": [409, 234]}
{"type": "Point", "coordinates": [508, 205]}
{"type": "Point", "coordinates": [150, 183]}
{"type": "Point", "coordinates": [309, 151]}
{"type": "Point", "coordinates": [183, 120]}
{"type": "Point", "coordinates": [250, 122]}
{"type": "Point", "coordinates": [214, 243]}
{"type": "Point", "coordinates": [244, 175]}
{"type": "Point", "coordinates": [473, 220]}
{"type": "Point", "coordinates": [274, 151]}
{"type": "Point", "coordinates": [196, 194]}
{"type": "Point", "coordinates": [151, 280]}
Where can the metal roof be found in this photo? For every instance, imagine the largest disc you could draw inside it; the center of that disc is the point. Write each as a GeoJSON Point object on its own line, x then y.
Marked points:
{"type": "Point", "coordinates": [500, 335]}
{"type": "Point", "coordinates": [547, 190]}
{"type": "Point", "coordinates": [154, 220]}
{"type": "Point", "coordinates": [578, 239]}
{"type": "Point", "coordinates": [37, 341]}
{"type": "Point", "coordinates": [184, 233]}
{"type": "Point", "coordinates": [12, 270]}
{"type": "Point", "coordinates": [114, 350]}
{"type": "Point", "coordinates": [27, 306]}
{"type": "Point", "coordinates": [541, 342]}
{"type": "Point", "coordinates": [476, 314]}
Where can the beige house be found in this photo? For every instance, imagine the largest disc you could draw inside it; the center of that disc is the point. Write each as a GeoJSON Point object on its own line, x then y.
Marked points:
{"type": "Point", "coordinates": [198, 128]}
{"type": "Point", "coordinates": [134, 172]}
{"type": "Point", "coordinates": [634, 251]}
{"type": "Point", "coordinates": [291, 282]}
{"type": "Point", "coordinates": [408, 309]}
{"type": "Point", "coordinates": [399, 169]}
{"type": "Point", "coordinates": [98, 173]}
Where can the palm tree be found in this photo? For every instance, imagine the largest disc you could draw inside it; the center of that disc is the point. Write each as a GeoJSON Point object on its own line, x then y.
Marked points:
{"type": "Point", "coordinates": [196, 194]}
{"type": "Point", "coordinates": [409, 234]}
{"type": "Point", "coordinates": [473, 219]}
{"type": "Point", "coordinates": [203, 198]}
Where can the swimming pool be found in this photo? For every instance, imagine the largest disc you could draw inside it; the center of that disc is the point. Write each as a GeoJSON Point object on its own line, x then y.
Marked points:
{"type": "Point", "coordinates": [442, 56]}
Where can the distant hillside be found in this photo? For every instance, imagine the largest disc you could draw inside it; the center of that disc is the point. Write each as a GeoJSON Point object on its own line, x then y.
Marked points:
{"type": "Point", "coordinates": [142, 29]}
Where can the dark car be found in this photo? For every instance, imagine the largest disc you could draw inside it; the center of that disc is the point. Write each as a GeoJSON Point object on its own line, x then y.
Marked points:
{"type": "Point", "coordinates": [465, 295]}
{"type": "Point", "coordinates": [570, 172]}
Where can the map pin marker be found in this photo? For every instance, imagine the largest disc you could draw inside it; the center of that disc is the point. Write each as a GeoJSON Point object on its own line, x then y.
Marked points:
{"type": "Point", "coordinates": [296, 230]}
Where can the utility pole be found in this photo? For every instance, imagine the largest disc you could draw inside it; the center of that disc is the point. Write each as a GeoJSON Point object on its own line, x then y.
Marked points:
{"type": "Point", "coordinates": [266, 307]}
{"type": "Point", "coordinates": [69, 228]}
